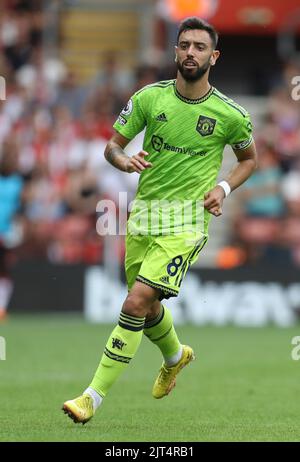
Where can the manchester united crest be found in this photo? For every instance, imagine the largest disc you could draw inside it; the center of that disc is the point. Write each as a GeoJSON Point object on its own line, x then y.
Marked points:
{"type": "Point", "coordinates": [206, 125]}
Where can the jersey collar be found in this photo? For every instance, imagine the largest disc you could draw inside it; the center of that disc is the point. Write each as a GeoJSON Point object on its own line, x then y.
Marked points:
{"type": "Point", "coordinates": [193, 101]}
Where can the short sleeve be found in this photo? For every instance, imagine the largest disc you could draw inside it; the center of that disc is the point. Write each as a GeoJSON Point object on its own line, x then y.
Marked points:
{"type": "Point", "coordinates": [131, 120]}
{"type": "Point", "coordinates": [240, 131]}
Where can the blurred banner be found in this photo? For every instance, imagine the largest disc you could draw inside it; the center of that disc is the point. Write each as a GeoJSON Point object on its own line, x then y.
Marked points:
{"type": "Point", "coordinates": [255, 16]}
{"type": "Point", "coordinates": [236, 16]}
{"type": "Point", "coordinates": [180, 9]}
{"type": "Point", "coordinates": [242, 297]}
{"type": "Point", "coordinates": [248, 297]}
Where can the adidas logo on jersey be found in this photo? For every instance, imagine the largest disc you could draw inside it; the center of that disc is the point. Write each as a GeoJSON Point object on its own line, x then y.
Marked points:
{"type": "Point", "coordinates": [162, 117]}
{"type": "Point", "coordinates": [165, 279]}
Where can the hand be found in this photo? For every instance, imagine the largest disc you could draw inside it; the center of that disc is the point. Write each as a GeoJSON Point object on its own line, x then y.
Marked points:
{"type": "Point", "coordinates": [213, 201]}
{"type": "Point", "coordinates": [137, 163]}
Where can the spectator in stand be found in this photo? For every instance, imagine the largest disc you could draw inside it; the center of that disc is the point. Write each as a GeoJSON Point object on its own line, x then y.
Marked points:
{"type": "Point", "coordinates": [262, 206]}
{"type": "Point", "coordinates": [21, 27]}
{"type": "Point", "coordinates": [113, 73]}
{"type": "Point", "coordinates": [283, 128]}
{"type": "Point", "coordinates": [43, 208]}
{"type": "Point", "coordinates": [11, 235]}
{"type": "Point", "coordinates": [15, 38]}
{"type": "Point", "coordinates": [291, 226]}
{"type": "Point", "coordinates": [71, 94]}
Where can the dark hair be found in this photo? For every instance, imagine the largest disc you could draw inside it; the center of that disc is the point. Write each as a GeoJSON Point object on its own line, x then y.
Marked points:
{"type": "Point", "coordinates": [193, 23]}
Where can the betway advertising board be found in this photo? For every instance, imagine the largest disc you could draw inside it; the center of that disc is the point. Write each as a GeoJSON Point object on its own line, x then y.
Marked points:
{"type": "Point", "coordinates": [241, 297]}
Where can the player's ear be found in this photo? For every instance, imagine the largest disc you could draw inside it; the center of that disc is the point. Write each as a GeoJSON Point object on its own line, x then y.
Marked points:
{"type": "Point", "coordinates": [176, 57]}
{"type": "Point", "coordinates": [214, 57]}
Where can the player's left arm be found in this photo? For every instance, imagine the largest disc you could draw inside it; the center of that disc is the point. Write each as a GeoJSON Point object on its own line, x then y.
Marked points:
{"type": "Point", "coordinates": [245, 166]}
{"type": "Point", "coordinates": [242, 170]}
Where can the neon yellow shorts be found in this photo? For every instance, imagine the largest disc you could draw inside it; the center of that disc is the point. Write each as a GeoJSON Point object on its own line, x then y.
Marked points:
{"type": "Point", "coordinates": [161, 261]}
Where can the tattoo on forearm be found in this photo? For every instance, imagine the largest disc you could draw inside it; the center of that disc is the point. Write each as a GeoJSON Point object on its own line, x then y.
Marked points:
{"type": "Point", "coordinates": [115, 156]}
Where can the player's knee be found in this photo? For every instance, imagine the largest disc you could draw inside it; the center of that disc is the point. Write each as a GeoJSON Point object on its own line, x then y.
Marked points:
{"type": "Point", "coordinates": [135, 305]}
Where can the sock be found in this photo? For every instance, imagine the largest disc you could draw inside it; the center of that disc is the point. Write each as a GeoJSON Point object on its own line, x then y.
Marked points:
{"type": "Point", "coordinates": [161, 332]}
{"type": "Point", "coordinates": [174, 359]}
{"type": "Point", "coordinates": [97, 399]}
{"type": "Point", "coordinates": [121, 347]}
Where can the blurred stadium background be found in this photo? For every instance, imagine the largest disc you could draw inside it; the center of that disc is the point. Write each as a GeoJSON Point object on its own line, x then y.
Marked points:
{"type": "Point", "coordinates": [69, 68]}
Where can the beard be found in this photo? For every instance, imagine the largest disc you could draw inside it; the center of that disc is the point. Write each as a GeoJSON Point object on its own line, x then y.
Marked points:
{"type": "Point", "coordinates": [193, 74]}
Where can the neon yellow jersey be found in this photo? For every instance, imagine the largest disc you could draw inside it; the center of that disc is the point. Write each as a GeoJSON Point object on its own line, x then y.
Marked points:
{"type": "Point", "coordinates": [185, 139]}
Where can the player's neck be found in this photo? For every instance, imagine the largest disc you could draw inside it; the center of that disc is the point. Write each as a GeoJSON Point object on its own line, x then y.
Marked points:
{"type": "Point", "coordinates": [192, 90]}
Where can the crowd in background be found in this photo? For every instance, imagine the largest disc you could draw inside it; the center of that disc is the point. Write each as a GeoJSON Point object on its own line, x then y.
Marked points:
{"type": "Point", "coordinates": [54, 129]}
{"type": "Point", "coordinates": [266, 226]}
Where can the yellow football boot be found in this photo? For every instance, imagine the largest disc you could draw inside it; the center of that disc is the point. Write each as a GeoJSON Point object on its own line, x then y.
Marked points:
{"type": "Point", "coordinates": [79, 409]}
{"type": "Point", "coordinates": [166, 379]}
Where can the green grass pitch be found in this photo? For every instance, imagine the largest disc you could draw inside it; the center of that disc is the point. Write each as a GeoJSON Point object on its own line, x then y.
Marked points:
{"type": "Point", "coordinates": [243, 386]}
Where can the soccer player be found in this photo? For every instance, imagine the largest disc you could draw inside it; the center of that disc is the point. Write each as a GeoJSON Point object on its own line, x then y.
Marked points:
{"type": "Point", "coordinates": [188, 123]}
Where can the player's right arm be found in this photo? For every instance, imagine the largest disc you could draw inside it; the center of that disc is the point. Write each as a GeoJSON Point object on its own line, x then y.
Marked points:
{"type": "Point", "coordinates": [130, 122]}
{"type": "Point", "coordinates": [115, 155]}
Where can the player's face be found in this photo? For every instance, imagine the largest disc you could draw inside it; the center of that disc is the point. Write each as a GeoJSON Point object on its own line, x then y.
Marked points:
{"type": "Point", "coordinates": [195, 54]}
